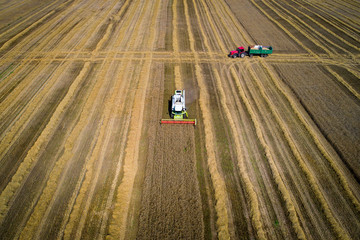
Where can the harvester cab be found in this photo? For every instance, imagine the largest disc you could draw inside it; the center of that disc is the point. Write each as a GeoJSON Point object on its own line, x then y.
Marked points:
{"type": "Point", "coordinates": [178, 113]}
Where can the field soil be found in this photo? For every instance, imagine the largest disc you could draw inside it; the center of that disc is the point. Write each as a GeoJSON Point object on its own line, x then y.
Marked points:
{"type": "Point", "coordinates": [275, 152]}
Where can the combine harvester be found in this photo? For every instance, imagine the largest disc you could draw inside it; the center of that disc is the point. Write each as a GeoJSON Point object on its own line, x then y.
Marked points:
{"type": "Point", "coordinates": [178, 110]}
{"type": "Point", "coordinates": [262, 51]}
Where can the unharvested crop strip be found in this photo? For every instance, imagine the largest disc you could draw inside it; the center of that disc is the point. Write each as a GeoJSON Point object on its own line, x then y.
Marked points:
{"type": "Point", "coordinates": [313, 183]}
{"type": "Point", "coordinates": [317, 137]}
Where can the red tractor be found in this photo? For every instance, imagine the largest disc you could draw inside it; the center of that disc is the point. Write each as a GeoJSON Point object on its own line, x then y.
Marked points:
{"type": "Point", "coordinates": [239, 52]}
{"type": "Point", "coordinates": [258, 50]}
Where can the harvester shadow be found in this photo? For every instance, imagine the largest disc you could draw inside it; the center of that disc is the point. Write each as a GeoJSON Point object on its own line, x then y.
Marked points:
{"type": "Point", "coordinates": [169, 107]}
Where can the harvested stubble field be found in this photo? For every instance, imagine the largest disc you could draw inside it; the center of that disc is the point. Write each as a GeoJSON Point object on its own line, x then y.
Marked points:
{"type": "Point", "coordinates": [275, 154]}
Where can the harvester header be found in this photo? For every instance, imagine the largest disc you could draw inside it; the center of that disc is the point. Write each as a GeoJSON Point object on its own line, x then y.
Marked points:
{"type": "Point", "coordinates": [178, 112]}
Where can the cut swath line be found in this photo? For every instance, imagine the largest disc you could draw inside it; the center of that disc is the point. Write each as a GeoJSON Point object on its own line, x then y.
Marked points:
{"type": "Point", "coordinates": [269, 154]}
{"type": "Point", "coordinates": [314, 132]}
{"type": "Point", "coordinates": [295, 150]}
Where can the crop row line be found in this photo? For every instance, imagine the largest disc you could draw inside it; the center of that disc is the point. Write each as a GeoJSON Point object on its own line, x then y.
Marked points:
{"type": "Point", "coordinates": [332, 23]}
{"type": "Point", "coordinates": [40, 208]}
{"type": "Point", "coordinates": [132, 18]}
{"type": "Point", "coordinates": [332, 10]}
{"type": "Point", "coordinates": [314, 132]}
{"type": "Point", "coordinates": [290, 206]}
{"type": "Point", "coordinates": [308, 28]}
{"type": "Point", "coordinates": [221, 204]}
{"type": "Point", "coordinates": [32, 154]}
{"type": "Point", "coordinates": [283, 28]}
{"type": "Point", "coordinates": [313, 183]}
{"type": "Point", "coordinates": [118, 222]}
{"type": "Point", "coordinates": [78, 216]}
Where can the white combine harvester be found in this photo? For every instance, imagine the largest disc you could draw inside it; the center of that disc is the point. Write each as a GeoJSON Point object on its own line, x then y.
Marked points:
{"type": "Point", "coordinates": [178, 110]}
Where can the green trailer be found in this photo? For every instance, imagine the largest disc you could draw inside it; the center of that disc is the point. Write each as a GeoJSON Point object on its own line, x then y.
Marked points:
{"type": "Point", "coordinates": [262, 51]}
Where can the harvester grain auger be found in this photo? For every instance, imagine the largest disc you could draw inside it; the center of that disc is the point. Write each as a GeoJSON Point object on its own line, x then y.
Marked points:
{"type": "Point", "coordinates": [178, 110]}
